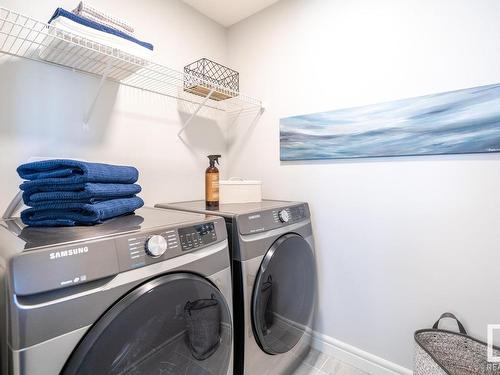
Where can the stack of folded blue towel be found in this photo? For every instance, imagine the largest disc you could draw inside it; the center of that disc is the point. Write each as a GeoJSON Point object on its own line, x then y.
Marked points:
{"type": "Point", "coordinates": [66, 192]}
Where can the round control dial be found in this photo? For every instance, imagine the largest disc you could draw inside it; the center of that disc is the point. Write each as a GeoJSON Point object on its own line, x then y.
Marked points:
{"type": "Point", "coordinates": [156, 246]}
{"type": "Point", "coordinates": [284, 216]}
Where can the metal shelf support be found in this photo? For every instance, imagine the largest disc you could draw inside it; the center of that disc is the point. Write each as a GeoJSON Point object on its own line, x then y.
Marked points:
{"type": "Point", "coordinates": [104, 77]}
{"type": "Point", "coordinates": [190, 118]}
{"type": "Point", "coordinates": [257, 117]}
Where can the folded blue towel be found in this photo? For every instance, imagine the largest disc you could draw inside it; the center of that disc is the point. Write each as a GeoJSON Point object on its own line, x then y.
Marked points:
{"type": "Point", "coordinates": [97, 26]}
{"type": "Point", "coordinates": [70, 214]}
{"type": "Point", "coordinates": [88, 192]}
{"type": "Point", "coordinates": [66, 171]}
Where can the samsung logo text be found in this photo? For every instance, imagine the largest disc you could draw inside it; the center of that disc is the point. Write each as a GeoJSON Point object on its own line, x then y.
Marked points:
{"type": "Point", "coordinates": [68, 253]}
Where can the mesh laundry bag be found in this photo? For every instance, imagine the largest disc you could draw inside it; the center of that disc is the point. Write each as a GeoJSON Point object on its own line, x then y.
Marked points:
{"type": "Point", "coordinates": [442, 352]}
{"type": "Point", "coordinates": [265, 308]}
{"type": "Point", "coordinates": [203, 324]}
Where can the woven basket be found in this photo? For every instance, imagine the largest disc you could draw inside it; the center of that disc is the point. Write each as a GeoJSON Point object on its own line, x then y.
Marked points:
{"type": "Point", "coordinates": [442, 352]}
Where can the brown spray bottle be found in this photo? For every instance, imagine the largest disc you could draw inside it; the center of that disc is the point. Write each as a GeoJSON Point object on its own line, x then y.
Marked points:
{"type": "Point", "coordinates": [212, 183]}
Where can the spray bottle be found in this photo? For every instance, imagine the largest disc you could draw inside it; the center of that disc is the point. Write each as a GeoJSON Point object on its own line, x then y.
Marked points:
{"type": "Point", "coordinates": [212, 183]}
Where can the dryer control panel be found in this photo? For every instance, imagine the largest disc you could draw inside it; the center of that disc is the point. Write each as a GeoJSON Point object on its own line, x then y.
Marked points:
{"type": "Point", "coordinates": [271, 219]}
{"type": "Point", "coordinates": [290, 215]}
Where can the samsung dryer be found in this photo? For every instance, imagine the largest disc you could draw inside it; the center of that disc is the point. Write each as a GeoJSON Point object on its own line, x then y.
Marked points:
{"type": "Point", "coordinates": [274, 282]}
{"type": "Point", "coordinates": [148, 293]}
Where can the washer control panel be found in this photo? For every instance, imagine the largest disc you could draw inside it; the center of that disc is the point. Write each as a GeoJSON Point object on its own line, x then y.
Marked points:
{"type": "Point", "coordinates": [272, 219]}
{"type": "Point", "coordinates": [197, 235]}
{"type": "Point", "coordinates": [145, 248]}
{"type": "Point", "coordinates": [72, 263]}
{"type": "Point", "coordinates": [153, 245]}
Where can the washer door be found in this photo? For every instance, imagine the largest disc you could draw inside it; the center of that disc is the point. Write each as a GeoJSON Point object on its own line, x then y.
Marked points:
{"type": "Point", "coordinates": [284, 294]}
{"type": "Point", "coordinates": [175, 324]}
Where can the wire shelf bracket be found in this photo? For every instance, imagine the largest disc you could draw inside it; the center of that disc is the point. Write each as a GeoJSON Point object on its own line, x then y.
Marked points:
{"type": "Point", "coordinates": [195, 112]}
{"type": "Point", "coordinates": [231, 124]}
{"type": "Point", "coordinates": [90, 110]}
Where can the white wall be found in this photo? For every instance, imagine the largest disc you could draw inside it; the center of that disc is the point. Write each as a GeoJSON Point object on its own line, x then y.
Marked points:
{"type": "Point", "coordinates": [399, 240]}
{"type": "Point", "coordinates": [42, 107]}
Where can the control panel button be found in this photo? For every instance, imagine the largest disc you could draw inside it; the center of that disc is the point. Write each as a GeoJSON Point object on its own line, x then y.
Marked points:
{"type": "Point", "coordinates": [284, 216]}
{"type": "Point", "coordinates": [196, 236]}
{"type": "Point", "coordinates": [156, 246]}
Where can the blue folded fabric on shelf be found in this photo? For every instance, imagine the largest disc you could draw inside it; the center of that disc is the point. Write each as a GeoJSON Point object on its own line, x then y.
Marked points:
{"type": "Point", "coordinates": [88, 192]}
{"type": "Point", "coordinates": [67, 171]}
{"type": "Point", "coordinates": [60, 12]}
{"type": "Point", "coordinates": [70, 214]}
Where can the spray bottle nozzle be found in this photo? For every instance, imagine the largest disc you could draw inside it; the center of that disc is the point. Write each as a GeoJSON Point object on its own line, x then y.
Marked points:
{"type": "Point", "coordinates": [213, 159]}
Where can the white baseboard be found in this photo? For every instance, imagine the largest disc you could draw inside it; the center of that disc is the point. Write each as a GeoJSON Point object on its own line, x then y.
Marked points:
{"type": "Point", "coordinates": [356, 357]}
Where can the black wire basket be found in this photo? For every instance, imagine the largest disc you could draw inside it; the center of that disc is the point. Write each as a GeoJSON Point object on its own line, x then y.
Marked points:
{"type": "Point", "coordinates": [205, 75]}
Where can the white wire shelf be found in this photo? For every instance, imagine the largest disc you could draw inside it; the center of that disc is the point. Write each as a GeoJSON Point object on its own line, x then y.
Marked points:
{"type": "Point", "coordinates": [25, 37]}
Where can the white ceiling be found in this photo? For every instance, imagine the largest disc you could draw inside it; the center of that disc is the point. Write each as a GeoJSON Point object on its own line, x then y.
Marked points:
{"type": "Point", "coordinates": [229, 12]}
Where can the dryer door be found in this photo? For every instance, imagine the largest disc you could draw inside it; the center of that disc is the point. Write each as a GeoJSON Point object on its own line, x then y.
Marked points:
{"type": "Point", "coordinates": [175, 324]}
{"type": "Point", "coordinates": [284, 294]}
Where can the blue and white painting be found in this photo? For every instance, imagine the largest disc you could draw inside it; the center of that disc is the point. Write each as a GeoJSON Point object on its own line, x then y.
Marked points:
{"type": "Point", "coordinates": [455, 122]}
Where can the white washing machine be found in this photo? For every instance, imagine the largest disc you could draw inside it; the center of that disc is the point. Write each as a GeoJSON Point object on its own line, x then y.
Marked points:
{"type": "Point", "coordinates": [274, 282]}
{"type": "Point", "coordinates": [148, 293]}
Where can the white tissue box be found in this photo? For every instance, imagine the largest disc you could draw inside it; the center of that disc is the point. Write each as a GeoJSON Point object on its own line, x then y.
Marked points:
{"type": "Point", "coordinates": [237, 190]}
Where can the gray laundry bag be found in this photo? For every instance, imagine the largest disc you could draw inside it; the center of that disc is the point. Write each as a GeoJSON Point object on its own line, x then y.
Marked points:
{"type": "Point", "coordinates": [442, 352]}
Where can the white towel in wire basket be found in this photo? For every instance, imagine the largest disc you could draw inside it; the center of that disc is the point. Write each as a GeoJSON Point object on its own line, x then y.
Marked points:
{"type": "Point", "coordinates": [86, 10]}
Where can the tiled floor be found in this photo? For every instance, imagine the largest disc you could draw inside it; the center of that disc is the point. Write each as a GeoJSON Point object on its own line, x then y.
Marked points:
{"type": "Point", "coordinates": [317, 363]}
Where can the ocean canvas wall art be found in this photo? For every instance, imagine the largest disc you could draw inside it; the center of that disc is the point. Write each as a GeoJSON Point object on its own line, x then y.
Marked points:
{"type": "Point", "coordinates": [456, 122]}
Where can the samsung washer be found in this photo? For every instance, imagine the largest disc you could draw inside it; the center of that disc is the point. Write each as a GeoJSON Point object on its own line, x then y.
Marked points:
{"type": "Point", "coordinates": [125, 297]}
{"type": "Point", "coordinates": [274, 282]}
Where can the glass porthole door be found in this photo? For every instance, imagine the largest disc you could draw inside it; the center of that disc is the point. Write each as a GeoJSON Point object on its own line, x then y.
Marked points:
{"type": "Point", "coordinates": [284, 294]}
{"type": "Point", "coordinates": [175, 324]}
